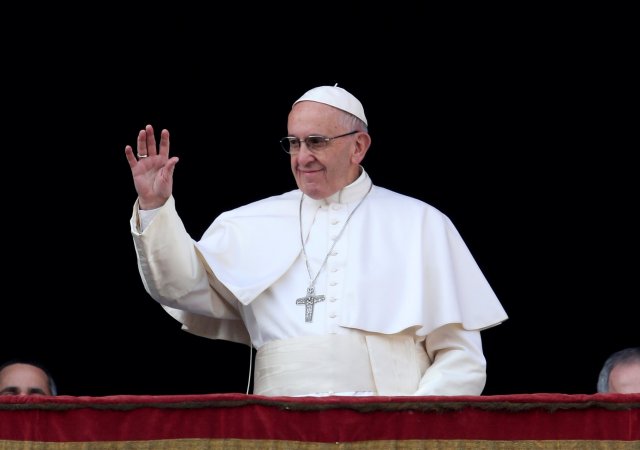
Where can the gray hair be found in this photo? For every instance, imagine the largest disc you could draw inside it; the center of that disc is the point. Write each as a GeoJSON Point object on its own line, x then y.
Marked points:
{"type": "Point", "coordinates": [624, 356]}
{"type": "Point", "coordinates": [352, 122]}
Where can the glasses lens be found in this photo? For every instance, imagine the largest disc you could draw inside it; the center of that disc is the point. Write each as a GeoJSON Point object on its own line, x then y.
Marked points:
{"type": "Point", "coordinates": [315, 142]}
{"type": "Point", "coordinates": [290, 144]}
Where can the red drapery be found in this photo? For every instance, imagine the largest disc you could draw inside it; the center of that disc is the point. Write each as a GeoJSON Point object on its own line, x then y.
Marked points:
{"type": "Point", "coordinates": [236, 421]}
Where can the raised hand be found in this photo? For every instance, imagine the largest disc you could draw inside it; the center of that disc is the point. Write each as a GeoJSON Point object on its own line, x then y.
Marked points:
{"type": "Point", "coordinates": [153, 169]}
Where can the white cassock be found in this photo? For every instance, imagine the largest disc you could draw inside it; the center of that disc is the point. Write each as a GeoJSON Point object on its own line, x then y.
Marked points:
{"type": "Point", "coordinates": [404, 300]}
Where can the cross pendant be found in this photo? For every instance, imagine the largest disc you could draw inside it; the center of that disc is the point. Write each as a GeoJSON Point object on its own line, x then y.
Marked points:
{"type": "Point", "coordinates": [308, 301]}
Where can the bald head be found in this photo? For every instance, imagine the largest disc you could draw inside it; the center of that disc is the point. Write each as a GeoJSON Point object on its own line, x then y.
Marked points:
{"type": "Point", "coordinates": [25, 379]}
{"type": "Point", "coordinates": [621, 372]}
{"type": "Point", "coordinates": [625, 378]}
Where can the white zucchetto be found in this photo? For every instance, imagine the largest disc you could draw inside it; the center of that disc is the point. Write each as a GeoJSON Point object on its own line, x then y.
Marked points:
{"type": "Point", "coordinates": [337, 97]}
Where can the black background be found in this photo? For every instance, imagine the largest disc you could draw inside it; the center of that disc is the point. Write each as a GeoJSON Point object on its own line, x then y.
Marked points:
{"type": "Point", "coordinates": [515, 123]}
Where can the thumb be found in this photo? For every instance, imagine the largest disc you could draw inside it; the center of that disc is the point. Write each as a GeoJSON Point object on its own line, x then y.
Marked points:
{"type": "Point", "coordinates": [170, 166]}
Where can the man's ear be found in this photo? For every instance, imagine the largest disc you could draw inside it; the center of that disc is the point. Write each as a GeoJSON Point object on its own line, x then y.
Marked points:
{"type": "Point", "coordinates": [362, 144]}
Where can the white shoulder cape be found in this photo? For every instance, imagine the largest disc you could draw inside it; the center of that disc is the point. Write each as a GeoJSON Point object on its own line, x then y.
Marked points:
{"type": "Point", "coordinates": [419, 272]}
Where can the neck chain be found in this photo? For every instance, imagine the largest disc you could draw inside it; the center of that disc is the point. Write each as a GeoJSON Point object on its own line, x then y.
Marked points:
{"type": "Point", "coordinates": [311, 298]}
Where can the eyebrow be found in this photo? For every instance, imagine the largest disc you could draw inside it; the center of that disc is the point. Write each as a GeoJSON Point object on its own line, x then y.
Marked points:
{"type": "Point", "coordinates": [33, 391]}
{"type": "Point", "coordinates": [9, 390]}
{"type": "Point", "coordinates": [13, 390]}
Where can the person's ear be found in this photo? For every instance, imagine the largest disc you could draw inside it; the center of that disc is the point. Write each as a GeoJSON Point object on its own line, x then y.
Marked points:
{"type": "Point", "coordinates": [362, 144]}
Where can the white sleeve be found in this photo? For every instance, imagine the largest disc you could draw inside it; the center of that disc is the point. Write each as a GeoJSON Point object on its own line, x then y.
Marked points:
{"type": "Point", "coordinates": [146, 216]}
{"type": "Point", "coordinates": [458, 363]}
{"type": "Point", "coordinates": [176, 277]}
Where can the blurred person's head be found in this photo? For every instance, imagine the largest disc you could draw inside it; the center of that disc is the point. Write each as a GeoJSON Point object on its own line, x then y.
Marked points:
{"type": "Point", "coordinates": [621, 372]}
{"type": "Point", "coordinates": [25, 378]}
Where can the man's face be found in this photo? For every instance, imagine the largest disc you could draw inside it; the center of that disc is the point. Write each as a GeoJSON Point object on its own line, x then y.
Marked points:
{"type": "Point", "coordinates": [322, 173]}
{"type": "Point", "coordinates": [23, 379]}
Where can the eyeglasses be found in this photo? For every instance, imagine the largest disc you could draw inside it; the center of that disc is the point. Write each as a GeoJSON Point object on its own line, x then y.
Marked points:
{"type": "Point", "coordinates": [314, 143]}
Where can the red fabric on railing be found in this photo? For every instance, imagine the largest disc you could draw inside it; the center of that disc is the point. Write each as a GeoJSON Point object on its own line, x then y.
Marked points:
{"type": "Point", "coordinates": [218, 417]}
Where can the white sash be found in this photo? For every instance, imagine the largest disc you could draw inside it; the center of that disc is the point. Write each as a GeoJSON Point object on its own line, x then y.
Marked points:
{"type": "Point", "coordinates": [311, 365]}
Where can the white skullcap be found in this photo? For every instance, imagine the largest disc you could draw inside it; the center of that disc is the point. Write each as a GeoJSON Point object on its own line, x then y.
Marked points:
{"type": "Point", "coordinates": [337, 97]}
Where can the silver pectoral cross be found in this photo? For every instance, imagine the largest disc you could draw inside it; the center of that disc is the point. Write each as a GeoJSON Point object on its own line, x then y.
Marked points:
{"type": "Point", "coordinates": [308, 301]}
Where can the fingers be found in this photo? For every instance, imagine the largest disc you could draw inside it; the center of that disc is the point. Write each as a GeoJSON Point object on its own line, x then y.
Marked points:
{"type": "Point", "coordinates": [146, 142]}
{"type": "Point", "coordinates": [146, 146]}
{"type": "Point", "coordinates": [164, 143]}
{"type": "Point", "coordinates": [128, 152]}
{"type": "Point", "coordinates": [142, 142]}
